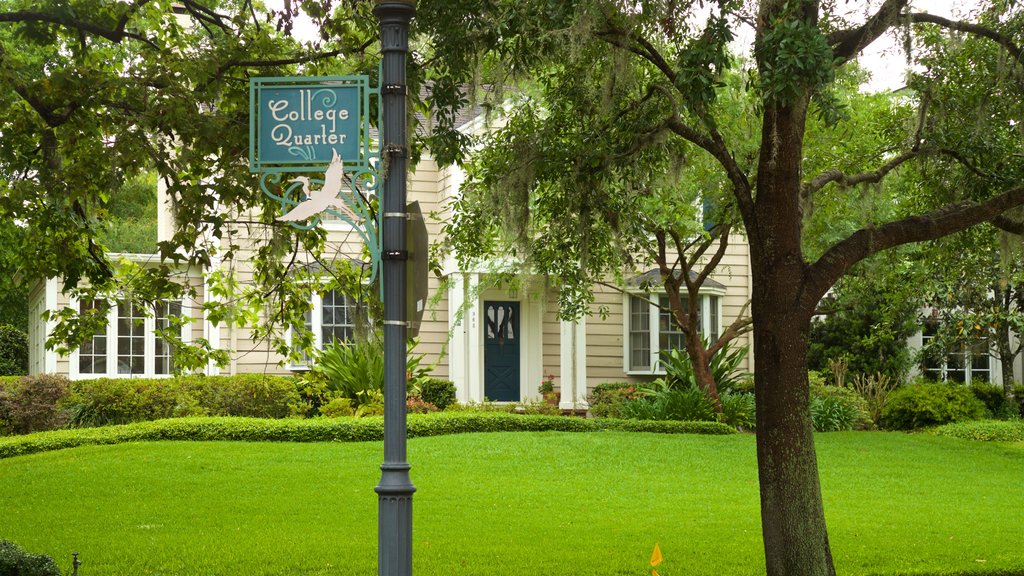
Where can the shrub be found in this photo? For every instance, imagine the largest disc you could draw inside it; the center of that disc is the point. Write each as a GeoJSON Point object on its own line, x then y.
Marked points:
{"type": "Point", "coordinates": [834, 409]}
{"type": "Point", "coordinates": [539, 407]}
{"type": "Point", "coordinates": [985, 430]}
{"type": "Point", "coordinates": [352, 368]}
{"type": "Point", "coordinates": [671, 404]}
{"type": "Point", "coordinates": [332, 429]}
{"type": "Point", "coordinates": [15, 561]}
{"type": "Point", "coordinates": [739, 410]}
{"type": "Point", "coordinates": [930, 404]}
{"type": "Point", "coordinates": [1018, 395]}
{"type": "Point", "coordinates": [606, 399]}
{"type": "Point", "coordinates": [258, 395]}
{"type": "Point", "coordinates": [875, 390]}
{"type": "Point", "coordinates": [992, 396]}
{"type": "Point", "coordinates": [438, 391]}
{"type": "Point", "coordinates": [417, 405]}
{"type": "Point", "coordinates": [723, 366]}
{"type": "Point", "coordinates": [337, 407]}
{"type": "Point", "coordinates": [106, 401]}
{"type": "Point", "coordinates": [13, 351]}
{"type": "Point", "coordinates": [31, 403]}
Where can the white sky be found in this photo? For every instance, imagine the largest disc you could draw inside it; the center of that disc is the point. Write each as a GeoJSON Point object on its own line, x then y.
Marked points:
{"type": "Point", "coordinates": [884, 59]}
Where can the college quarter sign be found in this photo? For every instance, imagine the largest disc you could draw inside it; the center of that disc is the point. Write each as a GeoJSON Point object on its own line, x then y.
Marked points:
{"type": "Point", "coordinates": [302, 122]}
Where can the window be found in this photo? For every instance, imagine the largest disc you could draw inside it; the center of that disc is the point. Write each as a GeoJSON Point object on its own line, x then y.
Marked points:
{"type": "Point", "coordinates": [641, 356]}
{"type": "Point", "coordinates": [128, 345]}
{"type": "Point", "coordinates": [92, 356]}
{"type": "Point", "coordinates": [331, 319]}
{"type": "Point", "coordinates": [969, 364]}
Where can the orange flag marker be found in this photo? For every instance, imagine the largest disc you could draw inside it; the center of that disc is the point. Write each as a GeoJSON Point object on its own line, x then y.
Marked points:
{"type": "Point", "coordinates": [655, 558]}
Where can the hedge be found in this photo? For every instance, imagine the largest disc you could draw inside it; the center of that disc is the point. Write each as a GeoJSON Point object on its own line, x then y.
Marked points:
{"type": "Point", "coordinates": [331, 429]}
{"type": "Point", "coordinates": [984, 430]}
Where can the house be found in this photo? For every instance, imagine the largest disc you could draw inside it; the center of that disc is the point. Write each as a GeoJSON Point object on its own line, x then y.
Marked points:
{"type": "Point", "coordinates": [493, 341]}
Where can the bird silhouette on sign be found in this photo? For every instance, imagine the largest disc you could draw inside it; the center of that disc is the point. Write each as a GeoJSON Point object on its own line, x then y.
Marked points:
{"type": "Point", "coordinates": [325, 198]}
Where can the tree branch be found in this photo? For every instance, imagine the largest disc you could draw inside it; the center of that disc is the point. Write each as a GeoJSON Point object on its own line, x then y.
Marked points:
{"type": "Point", "coordinates": [847, 44]}
{"type": "Point", "coordinates": [114, 35]}
{"type": "Point", "coordinates": [867, 241]}
{"type": "Point", "coordinates": [1003, 40]}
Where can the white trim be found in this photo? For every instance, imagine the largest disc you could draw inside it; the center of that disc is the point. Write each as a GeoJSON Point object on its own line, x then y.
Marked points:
{"type": "Point", "coordinates": [50, 356]}
{"type": "Point", "coordinates": [149, 345]}
{"type": "Point", "coordinates": [654, 326]}
{"type": "Point", "coordinates": [457, 338]}
{"type": "Point", "coordinates": [573, 365]}
{"type": "Point", "coordinates": [475, 342]}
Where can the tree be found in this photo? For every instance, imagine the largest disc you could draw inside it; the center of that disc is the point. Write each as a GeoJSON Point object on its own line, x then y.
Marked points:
{"type": "Point", "coordinates": [92, 94]}
{"type": "Point", "coordinates": [673, 70]}
{"type": "Point", "coordinates": [976, 297]}
{"type": "Point", "coordinates": [538, 196]}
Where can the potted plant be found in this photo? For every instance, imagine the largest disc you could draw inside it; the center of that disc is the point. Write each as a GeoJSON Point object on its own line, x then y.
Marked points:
{"type": "Point", "coordinates": [547, 389]}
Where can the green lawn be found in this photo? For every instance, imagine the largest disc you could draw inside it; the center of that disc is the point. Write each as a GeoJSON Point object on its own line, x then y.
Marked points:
{"type": "Point", "coordinates": [511, 503]}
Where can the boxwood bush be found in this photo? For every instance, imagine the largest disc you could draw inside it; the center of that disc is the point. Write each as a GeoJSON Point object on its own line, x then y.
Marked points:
{"type": "Point", "coordinates": [15, 561]}
{"type": "Point", "coordinates": [332, 429]}
{"type": "Point", "coordinates": [985, 430]}
{"type": "Point", "coordinates": [930, 404]}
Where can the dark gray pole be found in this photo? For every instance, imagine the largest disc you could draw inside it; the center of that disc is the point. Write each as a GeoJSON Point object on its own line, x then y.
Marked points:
{"type": "Point", "coordinates": [394, 523]}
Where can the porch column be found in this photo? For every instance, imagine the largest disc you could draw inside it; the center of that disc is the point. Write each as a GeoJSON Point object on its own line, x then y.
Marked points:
{"type": "Point", "coordinates": [474, 341]}
{"type": "Point", "coordinates": [573, 365]}
{"type": "Point", "coordinates": [458, 320]}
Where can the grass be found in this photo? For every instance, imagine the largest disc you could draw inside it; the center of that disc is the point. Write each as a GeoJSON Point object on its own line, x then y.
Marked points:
{"type": "Point", "coordinates": [510, 503]}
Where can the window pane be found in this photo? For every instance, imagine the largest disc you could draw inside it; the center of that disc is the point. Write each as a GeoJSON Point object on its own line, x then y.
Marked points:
{"type": "Point", "coordinates": [670, 337]}
{"type": "Point", "coordinates": [131, 339]}
{"type": "Point", "coordinates": [713, 321]}
{"type": "Point", "coordinates": [92, 356]}
{"type": "Point", "coordinates": [639, 334]}
{"type": "Point", "coordinates": [164, 352]}
{"type": "Point", "coordinates": [336, 317]}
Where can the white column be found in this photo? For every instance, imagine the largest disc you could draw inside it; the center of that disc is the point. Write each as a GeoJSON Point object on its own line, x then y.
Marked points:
{"type": "Point", "coordinates": [474, 341]}
{"type": "Point", "coordinates": [457, 342]}
{"type": "Point", "coordinates": [50, 356]}
{"type": "Point", "coordinates": [573, 365]}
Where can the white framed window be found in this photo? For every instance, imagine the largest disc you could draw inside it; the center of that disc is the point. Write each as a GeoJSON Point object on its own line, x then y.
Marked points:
{"type": "Point", "coordinates": [128, 345]}
{"type": "Point", "coordinates": [646, 339]}
{"type": "Point", "coordinates": [332, 317]}
{"type": "Point", "coordinates": [966, 365]}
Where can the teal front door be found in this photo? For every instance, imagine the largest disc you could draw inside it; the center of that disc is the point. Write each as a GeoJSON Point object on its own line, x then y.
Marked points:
{"type": "Point", "coordinates": [501, 351]}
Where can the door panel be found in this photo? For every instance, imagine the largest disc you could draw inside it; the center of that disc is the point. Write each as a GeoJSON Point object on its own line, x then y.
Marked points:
{"type": "Point", "coordinates": [501, 351]}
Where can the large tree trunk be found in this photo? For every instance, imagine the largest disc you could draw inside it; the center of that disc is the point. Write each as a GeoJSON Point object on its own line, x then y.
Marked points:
{"type": "Point", "coordinates": [792, 515]}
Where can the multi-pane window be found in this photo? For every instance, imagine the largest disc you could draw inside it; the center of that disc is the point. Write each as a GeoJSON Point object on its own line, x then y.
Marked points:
{"type": "Point", "coordinates": [129, 344]}
{"type": "Point", "coordinates": [337, 320]}
{"type": "Point", "coordinates": [163, 351]}
{"type": "Point", "coordinates": [92, 356]}
{"type": "Point", "coordinates": [968, 364]}
{"type": "Point", "coordinates": [131, 338]}
{"type": "Point", "coordinates": [639, 334]}
{"type": "Point", "coordinates": [331, 319]}
{"type": "Point", "coordinates": [663, 334]}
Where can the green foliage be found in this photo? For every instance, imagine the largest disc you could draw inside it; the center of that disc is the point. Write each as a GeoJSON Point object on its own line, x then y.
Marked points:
{"type": "Point", "coordinates": [438, 391]}
{"type": "Point", "coordinates": [739, 410]}
{"type": "Point", "coordinates": [132, 222]}
{"type": "Point", "coordinates": [984, 430]}
{"type": "Point", "coordinates": [32, 403]}
{"type": "Point", "coordinates": [13, 351]}
{"type": "Point", "coordinates": [337, 407]}
{"type": "Point", "coordinates": [992, 396]}
{"type": "Point", "coordinates": [607, 399]}
{"type": "Point", "coordinates": [835, 408]}
{"type": "Point", "coordinates": [872, 315]}
{"type": "Point", "coordinates": [332, 429]}
{"type": "Point", "coordinates": [724, 366]}
{"type": "Point", "coordinates": [355, 369]}
{"type": "Point", "coordinates": [680, 404]}
{"type": "Point", "coordinates": [875, 390]}
{"type": "Point", "coordinates": [15, 561]}
{"type": "Point", "coordinates": [414, 404]}
{"type": "Point", "coordinates": [352, 368]}
{"type": "Point", "coordinates": [930, 404]}
{"type": "Point", "coordinates": [106, 401]}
